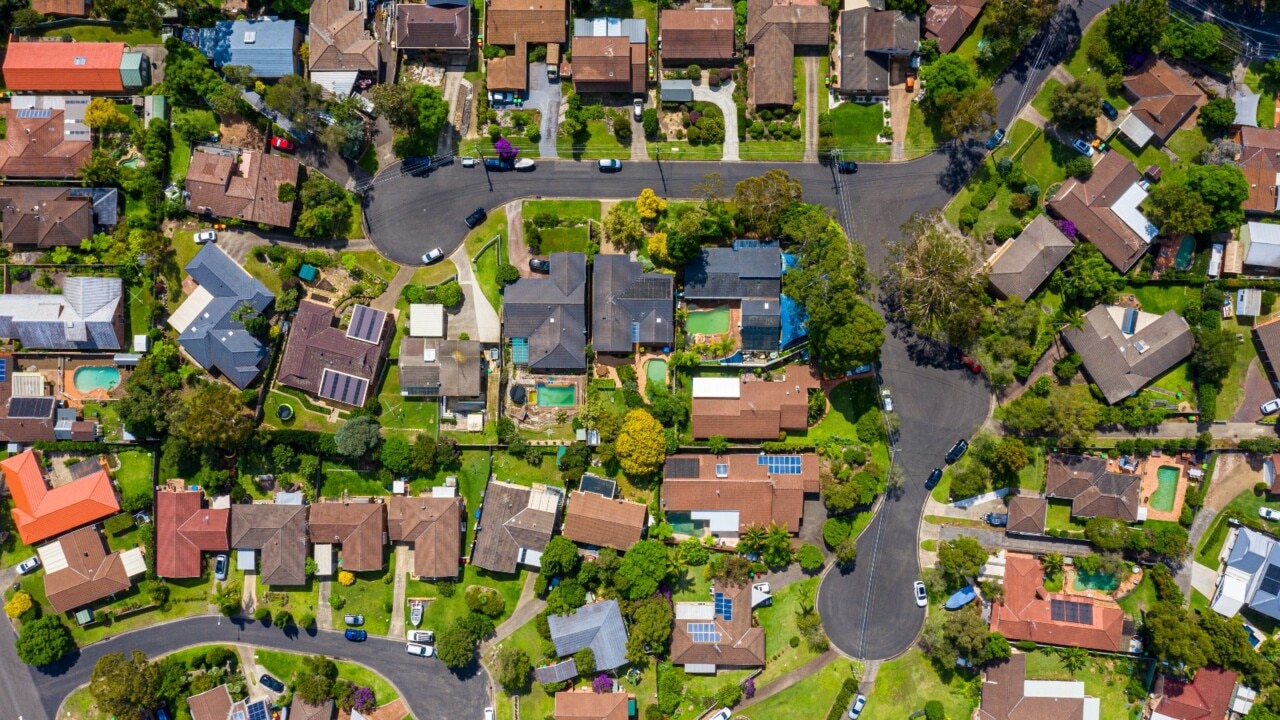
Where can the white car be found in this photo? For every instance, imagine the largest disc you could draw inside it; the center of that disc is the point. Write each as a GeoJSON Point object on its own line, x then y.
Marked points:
{"type": "Point", "coordinates": [637, 107]}
{"type": "Point", "coordinates": [1271, 406]}
{"type": "Point", "coordinates": [206, 236]}
{"type": "Point", "coordinates": [422, 636]}
{"type": "Point", "coordinates": [488, 713]}
{"type": "Point", "coordinates": [525, 164]}
{"type": "Point", "coordinates": [721, 714]}
{"type": "Point", "coordinates": [468, 162]}
{"type": "Point", "coordinates": [432, 256]}
{"type": "Point", "coordinates": [886, 400]}
{"type": "Point", "coordinates": [1269, 514]}
{"type": "Point", "coordinates": [856, 708]}
{"type": "Point", "coordinates": [922, 596]}
{"type": "Point", "coordinates": [420, 650]}
{"type": "Point", "coordinates": [29, 565]}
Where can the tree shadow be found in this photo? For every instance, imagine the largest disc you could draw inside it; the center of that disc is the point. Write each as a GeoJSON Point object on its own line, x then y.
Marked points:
{"type": "Point", "coordinates": [962, 159]}
{"type": "Point", "coordinates": [60, 666]}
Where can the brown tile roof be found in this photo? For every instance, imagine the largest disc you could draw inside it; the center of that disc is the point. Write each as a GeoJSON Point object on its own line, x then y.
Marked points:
{"type": "Point", "coordinates": [513, 518]}
{"type": "Point", "coordinates": [740, 645]}
{"type": "Point", "coordinates": [1122, 363]}
{"type": "Point", "coordinates": [45, 216]}
{"type": "Point", "coordinates": [690, 483]}
{"type": "Point", "coordinates": [1092, 490]}
{"type": "Point", "coordinates": [212, 704]}
{"type": "Point", "coordinates": [509, 22]}
{"type": "Point", "coordinates": [705, 34]}
{"type": "Point", "coordinates": [762, 409]}
{"type": "Point", "coordinates": [593, 519]}
{"type": "Point", "coordinates": [62, 8]}
{"type": "Point", "coordinates": [280, 532]}
{"type": "Point", "coordinates": [948, 20]}
{"type": "Point", "coordinates": [454, 371]}
{"type": "Point", "coordinates": [434, 526]}
{"type": "Point", "coordinates": [1023, 263]}
{"type": "Point", "coordinates": [317, 344]}
{"type": "Point", "coordinates": [508, 73]}
{"type": "Point", "coordinates": [37, 146]}
{"type": "Point", "coordinates": [1088, 203]}
{"type": "Point", "coordinates": [773, 68]}
{"type": "Point", "coordinates": [591, 706]}
{"type": "Point", "coordinates": [300, 709]}
{"type": "Point", "coordinates": [1162, 97]}
{"type": "Point", "coordinates": [247, 189]}
{"type": "Point", "coordinates": [1260, 165]}
{"type": "Point", "coordinates": [1024, 613]}
{"type": "Point", "coordinates": [91, 573]}
{"type": "Point", "coordinates": [337, 38]}
{"type": "Point", "coordinates": [1027, 515]}
{"type": "Point", "coordinates": [20, 429]}
{"type": "Point", "coordinates": [357, 527]}
{"type": "Point", "coordinates": [608, 64]}
{"type": "Point", "coordinates": [184, 530]}
{"type": "Point", "coordinates": [1266, 336]}
{"type": "Point", "coordinates": [1004, 696]}
{"type": "Point", "coordinates": [424, 27]}
{"type": "Point", "coordinates": [774, 28]}
{"type": "Point", "coordinates": [1206, 697]}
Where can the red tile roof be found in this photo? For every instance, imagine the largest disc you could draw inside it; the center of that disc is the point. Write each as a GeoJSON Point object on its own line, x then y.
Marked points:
{"type": "Point", "coordinates": [185, 529]}
{"type": "Point", "coordinates": [1087, 204]}
{"type": "Point", "coordinates": [63, 8]}
{"type": "Point", "coordinates": [1206, 697]}
{"type": "Point", "coordinates": [608, 64]}
{"type": "Point", "coordinates": [591, 706]}
{"type": "Point", "coordinates": [740, 645]}
{"type": "Point", "coordinates": [1260, 165]}
{"type": "Point", "coordinates": [60, 66]}
{"type": "Point", "coordinates": [41, 513]}
{"type": "Point", "coordinates": [510, 22]}
{"type": "Point", "coordinates": [690, 483]}
{"type": "Point", "coordinates": [45, 216]}
{"type": "Point", "coordinates": [434, 526]}
{"type": "Point", "coordinates": [246, 187]}
{"type": "Point", "coordinates": [948, 20]}
{"type": "Point", "coordinates": [594, 519]}
{"type": "Point", "coordinates": [1162, 97]}
{"type": "Point", "coordinates": [1024, 613]}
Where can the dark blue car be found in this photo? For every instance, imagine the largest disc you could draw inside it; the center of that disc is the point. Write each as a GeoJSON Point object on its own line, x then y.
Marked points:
{"type": "Point", "coordinates": [356, 635]}
{"type": "Point", "coordinates": [995, 140]}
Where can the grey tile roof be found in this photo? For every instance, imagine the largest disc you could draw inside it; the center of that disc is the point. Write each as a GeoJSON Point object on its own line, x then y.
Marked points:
{"type": "Point", "coordinates": [1258, 556]}
{"type": "Point", "coordinates": [628, 303]}
{"type": "Point", "coordinates": [431, 367]}
{"type": "Point", "coordinates": [598, 626]}
{"type": "Point", "coordinates": [214, 338]}
{"type": "Point", "coordinates": [1028, 260]}
{"type": "Point", "coordinates": [88, 315]}
{"type": "Point", "coordinates": [511, 522]}
{"type": "Point", "coordinates": [558, 672]}
{"type": "Point", "coordinates": [868, 38]}
{"type": "Point", "coordinates": [734, 273]}
{"type": "Point", "coordinates": [550, 313]}
{"type": "Point", "coordinates": [1123, 364]}
{"type": "Point", "coordinates": [762, 325]}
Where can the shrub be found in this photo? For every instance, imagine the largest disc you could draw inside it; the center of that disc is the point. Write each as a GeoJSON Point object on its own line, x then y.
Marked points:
{"type": "Point", "coordinates": [933, 710]}
{"type": "Point", "coordinates": [1080, 167]}
{"type": "Point", "coordinates": [983, 196]}
{"type": "Point", "coordinates": [1004, 231]}
{"type": "Point", "coordinates": [119, 523]}
{"type": "Point", "coordinates": [346, 578]}
{"type": "Point", "coordinates": [18, 605]}
{"type": "Point", "coordinates": [968, 217]}
{"type": "Point", "coordinates": [262, 615]}
{"type": "Point", "coordinates": [1260, 488]}
{"type": "Point", "coordinates": [794, 641]}
{"type": "Point", "coordinates": [1019, 203]}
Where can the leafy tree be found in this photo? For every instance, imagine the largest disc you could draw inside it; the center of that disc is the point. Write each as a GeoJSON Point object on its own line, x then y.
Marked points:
{"type": "Point", "coordinates": [314, 679]}
{"type": "Point", "coordinates": [1177, 210]}
{"type": "Point", "coordinates": [623, 227]}
{"type": "Point", "coordinates": [644, 567]}
{"type": "Point", "coordinates": [650, 627]}
{"type": "Point", "coordinates": [1199, 41]}
{"type": "Point", "coordinates": [358, 436]}
{"type": "Point", "coordinates": [396, 455]}
{"type": "Point", "coordinates": [1136, 25]}
{"type": "Point", "coordinates": [417, 110]}
{"type": "Point", "coordinates": [947, 79]}
{"type": "Point", "coordinates": [44, 640]}
{"type": "Point", "coordinates": [762, 200]}
{"type": "Point", "coordinates": [1075, 106]}
{"type": "Point", "coordinates": [962, 634]}
{"type": "Point", "coordinates": [1009, 457]}
{"type": "Point", "coordinates": [326, 211]}
{"type": "Point", "coordinates": [1106, 533]}
{"type": "Point", "coordinates": [513, 669]}
{"type": "Point", "coordinates": [455, 647]}
{"type": "Point", "coordinates": [1173, 636]}
{"type": "Point", "coordinates": [296, 98]}
{"type": "Point", "coordinates": [973, 113]}
{"type": "Point", "coordinates": [1214, 354]}
{"type": "Point", "coordinates": [124, 685]}
{"type": "Point", "coordinates": [1217, 116]}
{"type": "Point", "coordinates": [847, 552]}
{"type": "Point", "coordinates": [18, 605]}
{"type": "Point", "coordinates": [213, 415]}
{"type": "Point", "coordinates": [585, 661]}
{"type": "Point", "coordinates": [1086, 277]}
{"type": "Point", "coordinates": [1224, 188]}
{"type": "Point", "coordinates": [909, 7]}
{"type": "Point", "coordinates": [810, 557]}
{"type": "Point", "coordinates": [960, 559]}
{"type": "Point", "coordinates": [649, 205]}
{"type": "Point", "coordinates": [641, 444]}
{"type": "Point", "coordinates": [933, 282]}
{"type": "Point", "coordinates": [103, 116]}
{"type": "Point", "coordinates": [560, 558]}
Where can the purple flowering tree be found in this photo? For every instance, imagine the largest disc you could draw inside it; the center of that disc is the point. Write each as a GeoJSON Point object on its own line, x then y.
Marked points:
{"type": "Point", "coordinates": [749, 688]}
{"type": "Point", "coordinates": [505, 150]}
{"type": "Point", "coordinates": [1068, 228]}
{"type": "Point", "coordinates": [602, 684]}
{"type": "Point", "coordinates": [363, 701]}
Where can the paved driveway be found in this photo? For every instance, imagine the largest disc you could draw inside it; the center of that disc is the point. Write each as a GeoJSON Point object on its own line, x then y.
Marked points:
{"type": "Point", "coordinates": [722, 97]}
{"type": "Point", "coordinates": [545, 96]}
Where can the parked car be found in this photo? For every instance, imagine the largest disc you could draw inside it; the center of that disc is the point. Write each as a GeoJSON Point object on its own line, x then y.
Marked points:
{"type": "Point", "coordinates": [29, 565]}
{"type": "Point", "coordinates": [1082, 147]}
{"type": "Point", "coordinates": [501, 98]}
{"type": "Point", "coordinates": [1110, 110]}
{"type": "Point", "coordinates": [421, 636]}
{"type": "Point", "coordinates": [721, 714]}
{"type": "Point", "coordinates": [934, 477]}
{"type": "Point", "coordinates": [525, 164]}
{"type": "Point", "coordinates": [497, 164]}
{"type": "Point", "coordinates": [1271, 406]}
{"type": "Point", "coordinates": [996, 138]}
{"type": "Point", "coordinates": [1269, 514]}
{"type": "Point", "coordinates": [283, 144]}
{"type": "Point", "coordinates": [206, 236]}
{"type": "Point", "coordinates": [997, 519]}
{"type": "Point", "coordinates": [957, 451]}
{"type": "Point", "coordinates": [637, 109]}
{"type": "Point", "coordinates": [433, 255]}
{"type": "Point", "coordinates": [419, 650]}
{"type": "Point", "coordinates": [971, 362]}
{"type": "Point", "coordinates": [468, 162]}
{"type": "Point", "coordinates": [922, 596]}
{"type": "Point", "coordinates": [271, 683]}
{"type": "Point", "coordinates": [856, 708]}
{"type": "Point", "coordinates": [220, 567]}
{"type": "Point", "coordinates": [488, 713]}
{"type": "Point", "coordinates": [356, 635]}
{"type": "Point", "coordinates": [886, 400]}
{"type": "Point", "coordinates": [540, 265]}
{"type": "Point", "coordinates": [846, 166]}
{"type": "Point", "coordinates": [353, 619]}
{"type": "Point", "coordinates": [476, 218]}
{"type": "Point", "coordinates": [609, 165]}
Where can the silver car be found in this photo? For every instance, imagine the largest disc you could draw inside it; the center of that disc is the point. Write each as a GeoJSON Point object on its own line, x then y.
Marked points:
{"type": "Point", "coordinates": [432, 256]}
{"type": "Point", "coordinates": [1271, 406]}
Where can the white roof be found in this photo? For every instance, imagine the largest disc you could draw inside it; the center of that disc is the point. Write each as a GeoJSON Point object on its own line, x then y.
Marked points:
{"type": "Point", "coordinates": [426, 320]}
{"type": "Point", "coordinates": [245, 560]}
{"type": "Point", "coordinates": [141, 342]}
{"type": "Point", "coordinates": [1092, 708]}
{"type": "Point", "coordinates": [700, 669]}
{"type": "Point", "coordinates": [1053, 689]}
{"type": "Point", "coordinates": [1135, 130]}
{"type": "Point", "coordinates": [337, 82]}
{"type": "Point", "coordinates": [719, 520]}
{"type": "Point", "coordinates": [1215, 260]}
{"type": "Point", "coordinates": [1262, 243]}
{"type": "Point", "coordinates": [28, 384]}
{"type": "Point", "coordinates": [323, 553]}
{"type": "Point", "coordinates": [717, 387]}
{"type": "Point", "coordinates": [695, 611]}
{"type": "Point", "coordinates": [1233, 589]}
{"type": "Point", "coordinates": [134, 563]}
{"type": "Point", "coordinates": [52, 557]}
{"type": "Point", "coordinates": [1242, 699]}
{"type": "Point", "coordinates": [190, 309]}
{"type": "Point", "coordinates": [1127, 209]}
{"type": "Point", "coordinates": [443, 491]}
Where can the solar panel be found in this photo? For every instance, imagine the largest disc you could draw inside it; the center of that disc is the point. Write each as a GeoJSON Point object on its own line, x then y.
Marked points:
{"type": "Point", "coordinates": [258, 710]}
{"type": "Point", "coordinates": [635, 332]}
{"type": "Point", "coordinates": [1271, 580]}
{"type": "Point", "coordinates": [781, 464]}
{"type": "Point", "coordinates": [724, 606]}
{"type": "Point", "coordinates": [4, 369]}
{"type": "Point", "coordinates": [1086, 614]}
{"type": "Point", "coordinates": [703, 632]}
{"type": "Point", "coordinates": [342, 387]}
{"type": "Point", "coordinates": [366, 324]}
{"type": "Point", "coordinates": [1072, 612]}
{"type": "Point", "coordinates": [598, 485]}
{"type": "Point", "coordinates": [31, 407]}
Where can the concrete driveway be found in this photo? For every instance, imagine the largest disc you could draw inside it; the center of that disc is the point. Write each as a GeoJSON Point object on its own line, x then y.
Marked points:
{"type": "Point", "coordinates": [488, 328]}
{"type": "Point", "coordinates": [722, 97]}
{"type": "Point", "coordinates": [545, 96]}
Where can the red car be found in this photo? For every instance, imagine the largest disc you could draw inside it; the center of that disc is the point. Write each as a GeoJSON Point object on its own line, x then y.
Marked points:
{"type": "Point", "coordinates": [972, 363]}
{"type": "Point", "coordinates": [282, 144]}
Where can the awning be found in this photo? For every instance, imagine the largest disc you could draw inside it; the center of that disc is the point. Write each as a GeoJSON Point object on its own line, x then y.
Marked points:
{"type": "Point", "coordinates": [245, 560]}
{"type": "Point", "coordinates": [134, 563]}
{"type": "Point", "coordinates": [1136, 131]}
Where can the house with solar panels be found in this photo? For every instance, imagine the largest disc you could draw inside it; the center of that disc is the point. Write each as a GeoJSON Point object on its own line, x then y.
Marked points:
{"type": "Point", "coordinates": [29, 412]}
{"type": "Point", "coordinates": [747, 278]}
{"type": "Point", "coordinates": [216, 704]}
{"type": "Point", "coordinates": [87, 316]}
{"type": "Point", "coordinates": [210, 323]}
{"type": "Point", "coordinates": [545, 318]}
{"type": "Point", "coordinates": [1250, 575]}
{"type": "Point", "coordinates": [1124, 349]}
{"type": "Point", "coordinates": [630, 308]}
{"type": "Point", "coordinates": [710, 636]}
{"type": "Point", "coordinates": [336, 358]}
{"type": "Point", "coordinates": [267, 46]}
{"type": "Point", "coordinates": [726, 494]}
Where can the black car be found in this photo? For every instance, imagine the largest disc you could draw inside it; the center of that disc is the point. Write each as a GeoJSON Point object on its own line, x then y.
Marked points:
{"type": "Point", "coordinates": [1110, 110]}
{"type": "Point", "coordinates": [476, 218]}
{"type": "Point", "coordinates": [846, 166]}
{"type": "Point", "coordinates": [357, 635]}
{"type": "Point", "coordinates": [934, 477]}
{"type": "Point", "coordinates": [957, 451]}
{"type": "Point", "coordinates": [997, 519]}
{"type": "Point", "coordinates": [272, 683]}
{"type": "Point", "coordinates": [540, 265]}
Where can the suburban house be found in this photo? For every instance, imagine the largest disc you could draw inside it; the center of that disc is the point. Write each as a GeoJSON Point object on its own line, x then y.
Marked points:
{"type": "Point", "coordinates": [516, 523]}
{"type": "Point", "coordinates": [1007, 694]}
{"type": "Point", "coordinates": [749, 408]}
{"type": "Point", "coordinates": [775, 28]}
{"type": "Point", "coordinates": [1092, 489]}
{"type": "Point", "coordinates": [45, 136]}
{"type": "Point", "coordinates": [300, 709]}
{"type": "Point", "coordinates": [600, 519]}
{"type": "Point", "coordinates": [1124, 349]}
{"type": "Point", "coordinates": [242, 184]}
{"type": "Point", "coordinates": [610, 55]}
{"type": "Point", "coordinates": [1250, 575]}
{"type": "Point", "coordinates": [597, 626]}
{"type": "Point", "coordinates": [324, 360]}
{"type": "Point", "coordinates": [1162, 99]}
{"type": "Point", "coordinates": [730, 493]}
{"type": "Point", "coordinates": [279, 533]}
{"type": "Point", "coordinates": [515, 25]}
{"type": "Point", "coordinates": [267, 46]}
{"type": "Point", "coordinates": [359, 527]}
{"type": "Point", "coordinates": [28, 413]}
{"type": "Point", "coordinates": [545, 318]}
{"type": "Point", "coordinates": [340, 48]}
{"type": "Point", "coordinates": [434, 525]}
{"type": "Point", "coordinates": [875, 50]}
{"type": "Point", "coordinates": [1021, 265]}
{"type": "Point", "coordinates": [447, 369]}
{"type": "Point", "coordinates": [216, 704]}
{"type": "Point", "coordinates": [1027, 515]}
{"type": "Point", "coordinates": [1206, 697]}
{"type": "Point", "coordinates": [56, 216]}
{"type": "Point", "coordinates": [699, 35]}
{"type": "Point", "coordinates": [41, 512]}
{"type": "Point", "coordinates": [440, 25]}
{"type": "Point", "coordinates": [79, 570]}
{"type": "Point", "coordinates": [1105, 211]}
{"type": "Point", "coordinates": [1260, 163]}
{"type": "Point", "coordinates": [583, 705]}
{"type": "Point", "coordinates": [209, 322]}
{"type": "Point", "coordinates": [1266, 338]}
{"type": "Point", "coordinates": [630, 308]}
{"type": "Point", "coordinates": [1260, 246]}
{"type": "Point", "coordinates": [947, 21]}
{"type": "Point", "coordinates": [88, 315]}
{"type": "Point", "coordinates": [81, 67]}
{"type": "Point", "coordinates": [748, 277]}
{"type": "Point", "coordinates": [61, 8]}
{"type": "Point", "coordinates": [186, 529]}
{"type": "Point", "coordinates": [710, 635]}
{"type": "Point", "coordinates": [1030, 612]}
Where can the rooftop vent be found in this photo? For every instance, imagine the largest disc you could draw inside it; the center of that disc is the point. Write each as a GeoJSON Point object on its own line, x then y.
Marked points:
{"type": "Point", "coordinates": [250, 37]}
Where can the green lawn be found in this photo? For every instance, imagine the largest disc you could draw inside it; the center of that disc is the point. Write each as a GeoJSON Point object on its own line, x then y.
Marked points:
{"type": "Point", "coordinates": [904, 685]}
{"type": "Point", "coordinates": [1212, 541]}
{"type": "Point", "coordinates": [692, 586]}
{"type": "Point", "coordinates": [1059, 518]}
{"type": "Point", "coordinates": [1104, 678]}
{"type": "Point", "coordinates": [369, 160]}
{"type": "Point", "coordinates": [684, 150]}
{"type": "Point", "coordinates": [699, 692]}
{"type": "Point", "coordinates": [809, 698]}
{"type": "Point", "coordinates": [589, 209]}
{"type": "Point", "coordinates": [179, 159]}
{"type": "Point", "coordinates": [1188, 143]}
{"type": "Point", "coordinates": [856, 129]}
{"type": "Point", "coordinates": [1041, 101]}
{"type": "Point", "coordinates": [1142, 597]}
{"type": "Point", "coordinates": [1031, 477]}
{"type": "Point", "coordinates": [1018, 136]}
{"type": "Point", "coordinates": [134, 475]}
{"type": "Point", "coordinates": [598, 142]}
{"type": "Point", "coordinates": [1233, 386]}
{"type": "Point", "coordinates": [303, 419]}
{"type": "Point", "coordinates": [536, 703]}
{"type": "Point", "coordinates": [509, 469]}
{"type": "Point", "coordinates": [848, 402]}
{"type": "Point", "coordinates": [472, 472]}
{"type": "Point", "coordinates": [1044, 160]}
{"type": "Point", "coordinates": [441, 612]}
{"type": "Point", "coordinates": [565, 239]}
{"type": "Point", "coordinates": [105, 33]}
{"type": "Point", "coordinates": [1267, 103]}
{"type": "Point", "coordinates": [433, 274]}
{"type": "Point", "coordinates": [372, 595]}
{"type": "Point", "coordinates": [284, 664]}
{"type": "Point", "coordinates": [968, 47]}
{"type": "Point", "coordinates": [779, 623]}
{"type": "Point", "coordinates": [299, 600]}
{"type": "Point", "coordinates": [371, 263]}
{"type": "Point", "coordinates": [495, 224]}
{"type": "Point", "coordinates": [337, 477]}
{"type": "Point", "coordinates": [1160, 299]}
{"type": "Point", "coordinates": [406, 417]}
{"type": "Point", "coordinates": [776, 150]}
{"type": "Point", "coordinates": [923, 136]}
{"type": "Point", "coordinates": [140, 299]}
{"type": "Point", "coordinates": [486, 268]}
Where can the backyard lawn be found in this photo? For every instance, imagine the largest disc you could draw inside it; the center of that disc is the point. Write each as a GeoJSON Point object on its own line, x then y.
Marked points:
{"type": "Point", "coordinates": [598, 142]}
{"type": "Point", "coordinates": [1267, 103]}
{"type": "Point", "coordinates": [519, 472]}
{"type": "Point", "coordinates": [134, 475]}
{"type": "Point", "coordinates": [809, 698]}
{"type": "Point", "coordinates": [105, 33]}
{"type": "Point", "coordinates": [402, 416]}
{"type": "Point", "coordinates": [338, 477]}
{"type": "Point", "coordinates": [1059, 518]}
{"type": "Point", "coordinates": [303, 419]}
{"type": "Point", "coordinates": [848, 402]}
{"type": "Point", "coordinates": [1141, 598]}
{"type": "Point", "coordinates": [441, 611]}
{"type": "Point", "coordinates": [371, 596]}
{"type": "Point", "coordinates": [1104, 678]}
{"type": "Point", "coordinates": [904, 685]}
{"type": "Point", "coordinates": [1233, 386]}
{"type": "Point", "coordinates": [283, 665]}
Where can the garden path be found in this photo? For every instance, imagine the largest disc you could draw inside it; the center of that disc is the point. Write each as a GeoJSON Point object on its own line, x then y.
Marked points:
{"type": "Point", "coordinates": [811, 85]}
{"type": "Point", "coordinates": [807, 670]}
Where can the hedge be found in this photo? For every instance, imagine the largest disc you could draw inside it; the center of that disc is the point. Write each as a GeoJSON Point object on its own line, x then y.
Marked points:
{"type": "Point", "coordinates": [92, 448]}
{"type": "Point", "coordinates": [847, 690]}
{"type": "Point", "coordinates": [118, 524]}
{"type": "Point", "coordinates": [308, 440]}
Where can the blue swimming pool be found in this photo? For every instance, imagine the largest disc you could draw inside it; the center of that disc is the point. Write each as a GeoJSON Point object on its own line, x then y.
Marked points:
{"type": "Point", "coordinates": [96, 377]}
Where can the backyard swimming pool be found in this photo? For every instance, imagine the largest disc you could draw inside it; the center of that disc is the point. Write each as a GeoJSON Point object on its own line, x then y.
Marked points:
{"type": "Point", "coordinates": [1163, 497]}
{"type": "Point", "coordinates": [1182, 261]}
{"type": "Point", "coordinates": [1105, 582]}
{"type": "Point", "coordinates": [713, 321]}
{"type": "Point", "coordinates": [96, 377]}
{"type": "Point", "coordinates": [656, 371]}
{"type": "Point", "coordinates": [682, 522]}
{"type": "Point", "coordinates": [555, 395]}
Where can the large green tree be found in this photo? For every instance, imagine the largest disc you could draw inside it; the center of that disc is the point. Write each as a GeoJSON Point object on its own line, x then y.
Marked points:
{"type": "Point", "coordinates": [961, 558]}
{"type": "Point", "coordinates": [43, 641]}
{"type": "Point", "coordinates": [644, 567]}
{"type": "Point", "coordinates": [1086, 277]}
{"type": "Point", "coordinates": [1177, 210]}
{"type": "Point", "coordinates": [1224, 188]}
{"type": "Point", "coordinates": [762, 200]}
{"type": "Point", "coordinates": [296, 98]}
{"type": "Point", "coordinates": [1136, 25]}
{"type": "Point", "coordinates": [650, 628]}
{"type": "Point", "coordinates": [1075, 106]}
{"type": "Point", "coordinates": [560, 558]}
{"type": "Point", "coordinates": [124, 686]}
{"type": "Point", "coordinates": [933, 282]}
{"type": "Point", "coordinates": [213, 415]}
{"type": "Point", "coordinates": [358, 436]}
{"type": "Point", "coordinates": [1174, 637]}
{"type": "Point", "coordinates": [513, 669]}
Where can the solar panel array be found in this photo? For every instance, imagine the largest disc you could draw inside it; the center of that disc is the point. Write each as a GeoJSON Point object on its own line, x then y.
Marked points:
{"type": "Point", "coordinates": [1072, 612]}
{"type": "Point", "coordinates": [343, 388]}
{"type": "Point", "coordinates": [4, 369]}
{"type": "Point", "coordinates": [724, 607]}
{"type": "Point", "coordinates": [30, 407]}
{"type": "Point", "coordinates": [35, 113]}
{"type": "Point", "coordinates": [258, 710]}
{"type": "Point", "coordinates": [366, 324]}
{"type": "Point", "coordinates": [703, 632]}
{"type": "Point", "coordinates": [781, 464]}
{"type": "Point", "coordinates": [1271, 580]}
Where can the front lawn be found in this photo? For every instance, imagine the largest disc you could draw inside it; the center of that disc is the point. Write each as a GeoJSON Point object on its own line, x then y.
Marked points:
{"type": "Point", "coordinates": [923, 135]}
{"type": "Point", "coordinates": [848, 402]}
{"type": "Point", "coordinates": [283, 665]}
{"type": "Point", "coordinates": [298, 600]}
{"type": "Point", "coordinates": [486, 268]}
{"type": "Point", "coordinates": [1042, 98]}
{"type": "Point", "coordinates": [597, 142]}
{"type": "Point", "coordinates": [441, 611]}
{"type": "Point", "coordinates": [563, 209]}
{"type": "Point", "coordinates": [372, 596]}
{"type": "Point", "coordinates": [1104, 678]}
{"type": "Point", "coordinates": [1233, 386]}
{"type": "Point", "coordinates": [402, 416]}
{"type": "Point", "coordinates": [684, 150]}
{"type": "Point", "coordinates": [779, 623]}
{"type": "Point", "coordinates": [904, 685]}
{"type": "Point", "coordinates": [494, 225]}
{"type": "Point", "coordinates": [856, 130]}
{"type": "Point", "coordinates": [372, 263]}
{"type": "Point", "coordinates": [775, 150]}
{"type": "Point", "coordinates": [537, 702]}
{"type": "Point", "coordinates": [809, 698]}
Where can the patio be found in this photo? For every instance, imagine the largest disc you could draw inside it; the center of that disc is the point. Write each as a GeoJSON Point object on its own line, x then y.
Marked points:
{"type": "Point", "coordinates": [1163, 497]}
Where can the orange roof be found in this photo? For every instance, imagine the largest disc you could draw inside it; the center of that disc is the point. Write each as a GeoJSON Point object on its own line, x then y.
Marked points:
{"type": "Point", "coordinates": [1026, 612]}
{"type": "Point", "coordinates": [74, 66]}
{"type": "Point", "coordinates": [41, 513]}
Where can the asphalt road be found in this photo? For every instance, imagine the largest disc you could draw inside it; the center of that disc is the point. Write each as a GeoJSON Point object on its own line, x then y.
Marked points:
{"type": "Point", "coordinates": [429, 688]}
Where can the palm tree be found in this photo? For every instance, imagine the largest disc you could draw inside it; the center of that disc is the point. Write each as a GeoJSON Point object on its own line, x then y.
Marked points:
{"type": "Point", "coordinates": [1073, 659]}
{"type": "Point", "coordinates": [752, 539]}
